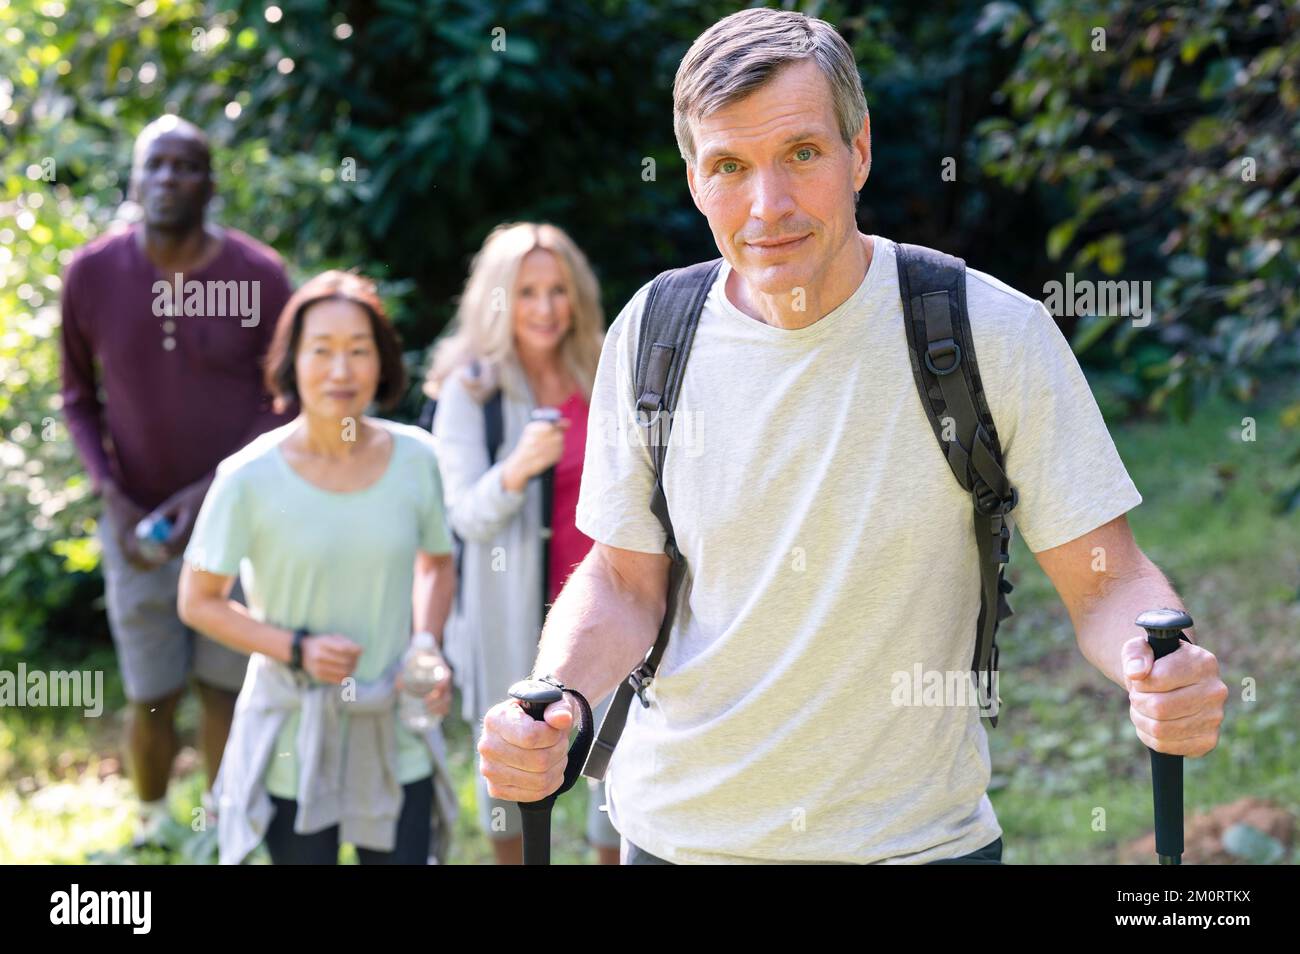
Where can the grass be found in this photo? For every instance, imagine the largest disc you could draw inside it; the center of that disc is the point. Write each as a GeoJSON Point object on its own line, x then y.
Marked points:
{"type": "Point", "coordinates": [65, 798]}
{"type": "Point", "coordinates": [1070, 779]}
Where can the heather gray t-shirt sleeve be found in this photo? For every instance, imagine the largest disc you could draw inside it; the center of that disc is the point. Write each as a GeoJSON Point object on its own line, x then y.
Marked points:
{"type": "Point", "coordinates": [1058, 451]}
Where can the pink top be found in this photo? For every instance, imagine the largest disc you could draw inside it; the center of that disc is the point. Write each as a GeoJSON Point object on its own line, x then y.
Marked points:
{"type": "Point", "coordinates": [568, 544]}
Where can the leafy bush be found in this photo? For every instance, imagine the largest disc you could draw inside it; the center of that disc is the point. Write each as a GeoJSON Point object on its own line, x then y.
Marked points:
{"type": "Point", "coordinates": [393, 136]}
{"type": "Point", "coordinates": [1164, 139]}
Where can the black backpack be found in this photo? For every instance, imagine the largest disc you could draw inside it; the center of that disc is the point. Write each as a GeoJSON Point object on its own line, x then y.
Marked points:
{"type": "Point", "coordinates": [493, 434]}
{"type": "Point", "coordinates": [933, 289]}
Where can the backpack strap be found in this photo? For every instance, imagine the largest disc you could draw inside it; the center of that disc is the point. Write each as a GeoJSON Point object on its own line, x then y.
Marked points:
{"type": "Point", "coordinates": [493, 434]}
{"type": "Point", "coordinates": [942, 349]}
{"type": "Point", "coordinates": [672, 312]}
{"type": "Point", "coordinates": [427, 410]}
{"type": "Point", "coordinates": [493, 431]}
{"type": "Point", "coordinates": [493, 425]}
{"type": "Point", "coordinates": [493, 419]}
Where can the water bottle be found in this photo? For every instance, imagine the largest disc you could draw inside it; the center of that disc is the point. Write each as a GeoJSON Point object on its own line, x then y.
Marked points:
{"type": "Point", "coordinates": [421, 673]}
{"type": "Point", "coordinates": [150, 534]}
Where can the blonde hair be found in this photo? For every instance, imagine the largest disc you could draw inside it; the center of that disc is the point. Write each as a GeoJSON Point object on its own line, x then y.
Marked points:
{"type": "Point", "coordinates": [481, 343]}
{"type": "Point", "coordinates": [741, 52]}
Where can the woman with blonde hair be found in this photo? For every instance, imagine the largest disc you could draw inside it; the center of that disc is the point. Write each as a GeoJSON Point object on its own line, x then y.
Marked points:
{"type": "Point", "coordinates": [527, 334]}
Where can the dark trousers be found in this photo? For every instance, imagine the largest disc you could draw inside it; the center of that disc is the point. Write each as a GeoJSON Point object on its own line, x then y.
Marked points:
{"type": "Point", "coordinates": [990, 854]}
{"type": "Point", "coordinates": [411, 847]}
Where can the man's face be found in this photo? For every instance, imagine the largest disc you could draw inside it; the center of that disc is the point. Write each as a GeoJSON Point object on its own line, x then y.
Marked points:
{"type": "Point", "coordinates": [776, 180]}
{"type": "Point", "coordinates": [174, 181]}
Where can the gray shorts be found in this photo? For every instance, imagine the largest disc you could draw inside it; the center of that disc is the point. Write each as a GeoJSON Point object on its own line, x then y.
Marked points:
{"type": "Point", "coordinates": [156, 652]}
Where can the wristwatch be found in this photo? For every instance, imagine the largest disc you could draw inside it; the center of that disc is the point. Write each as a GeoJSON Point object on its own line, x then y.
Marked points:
{"type": "Point", "coordinates": [295, 655]}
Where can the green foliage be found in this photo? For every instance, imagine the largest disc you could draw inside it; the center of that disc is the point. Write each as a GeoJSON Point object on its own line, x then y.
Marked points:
{"type": "Point", "coordinates": [1164, 140]}
{"type": "Point", "coordinates": [43, 492]}
{"type": "Point", "coordinates": [393, 136]}
{"type": "Point", "coordinates": [1209, 524]}
{"type": "Point", "coordinates": [390, 137]}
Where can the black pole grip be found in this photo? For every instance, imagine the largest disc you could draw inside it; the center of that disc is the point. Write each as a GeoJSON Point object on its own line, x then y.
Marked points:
{"type": "Point", "coordinates": [535, 817]}
{"type": "Point", "coordinates": [534, 696]}
{"type": "Point", "coordinates": [1164, 631]}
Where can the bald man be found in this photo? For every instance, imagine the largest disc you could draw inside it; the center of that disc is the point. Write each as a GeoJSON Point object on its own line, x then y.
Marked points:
{"type": "Point", "coordinates": [164, 328]}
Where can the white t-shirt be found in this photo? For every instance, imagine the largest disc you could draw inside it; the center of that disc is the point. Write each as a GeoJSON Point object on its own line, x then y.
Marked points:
{"type": "Point", "coordinates": [829, 549]}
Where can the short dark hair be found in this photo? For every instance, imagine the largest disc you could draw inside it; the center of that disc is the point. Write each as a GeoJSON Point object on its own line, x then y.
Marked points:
{"type": "Point", "coordinates": [166, 125]}
{"type": "Point", "coordinates": [334, 285]}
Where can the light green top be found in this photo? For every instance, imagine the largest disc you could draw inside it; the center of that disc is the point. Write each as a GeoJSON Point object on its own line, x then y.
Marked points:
{"type": "Point", "coordinates": [328, 561]}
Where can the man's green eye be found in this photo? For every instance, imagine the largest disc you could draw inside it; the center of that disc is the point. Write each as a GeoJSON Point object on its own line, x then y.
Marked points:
{"type": "Point", "coordinates": [727, 166]}
{"type": "Point", "coordinates": [805, 153]}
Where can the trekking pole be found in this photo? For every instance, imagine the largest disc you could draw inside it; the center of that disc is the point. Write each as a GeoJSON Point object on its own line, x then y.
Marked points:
{"type": "Point", "coordinates": [551, 415]}
{"type": "Point", "coordinates": [534, 696]}
{"type": "Point", "coordinates": [1164, 629]}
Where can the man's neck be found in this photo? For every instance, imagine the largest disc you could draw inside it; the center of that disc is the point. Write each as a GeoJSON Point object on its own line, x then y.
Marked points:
{"type": "Point", "coordinates": [179, 250]}
{"type": "Point", "coordinates": [799, 308]}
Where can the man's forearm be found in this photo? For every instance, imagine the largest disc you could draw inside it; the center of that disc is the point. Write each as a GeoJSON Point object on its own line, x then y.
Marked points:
{"type": "Point", "coordinates": [1108, 623]}
{"type": "Point", "coordinates": [598, 630]}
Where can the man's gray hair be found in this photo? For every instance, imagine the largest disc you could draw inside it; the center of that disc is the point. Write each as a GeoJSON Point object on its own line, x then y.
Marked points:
{"type": "Point", "coordinates": [739, 53]}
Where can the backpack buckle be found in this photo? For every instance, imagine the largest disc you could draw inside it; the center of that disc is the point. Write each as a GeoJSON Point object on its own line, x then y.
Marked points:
{"type": "Point", "coordinates": [941, 349]}
{"type": "Point", "coordinates": [989, 504]}
{"type": "Point", "coordinates": [991, 696]}
{"type": "Point", "coordinates": [1004, 539]}
{"type": "Point", "coordinates": [649, 413]}
{"type": "Point", "coordinates": [648, 409]}
{"type": "Point", "coordinates": [640, 679]}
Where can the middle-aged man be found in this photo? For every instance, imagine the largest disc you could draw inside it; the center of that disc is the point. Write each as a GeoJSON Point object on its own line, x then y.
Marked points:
{"type": "Point", "coordinates": [826, 541]}
{"type": "Point", "coordinates": [170, 319]}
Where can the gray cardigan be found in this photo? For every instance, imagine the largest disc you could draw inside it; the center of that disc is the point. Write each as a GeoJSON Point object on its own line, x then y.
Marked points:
{"type": "Point", "coordinates": [354, 786]}
{"type": "Point", "coordinates": [491, 635]}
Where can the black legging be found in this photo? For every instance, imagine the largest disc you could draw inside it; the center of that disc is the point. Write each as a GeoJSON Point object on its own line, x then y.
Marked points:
{"type": "Point", "coordinates": [322, 847]}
